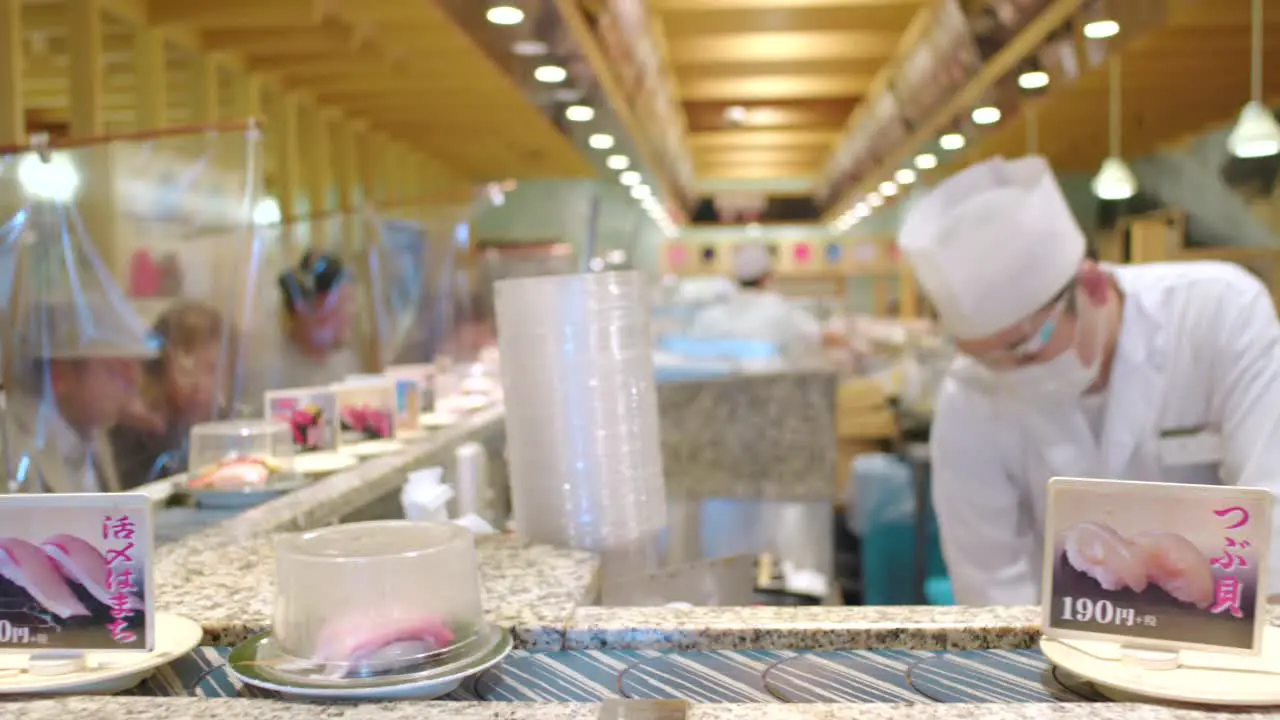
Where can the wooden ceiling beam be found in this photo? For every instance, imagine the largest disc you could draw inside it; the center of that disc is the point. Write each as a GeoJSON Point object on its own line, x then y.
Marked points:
{"type": "Point", "coordinates": [762, 138]}
{"type": "Point", "coordinates": [700, 23]}
{"type": "Point", "coordinates": [997, 67]}
{"type": "Point", "coordinates": [855, 67]}
{"type": "Point", "coordinates": [783, 46]}
{"type": "Point", "coordinates": [284, 42]}
{"type": "Point", "coordinates": [763, 88]}
{"type": "Point", "coordinates": [255, 14]}
{"type": "Point", "coordinates": [676, 6]}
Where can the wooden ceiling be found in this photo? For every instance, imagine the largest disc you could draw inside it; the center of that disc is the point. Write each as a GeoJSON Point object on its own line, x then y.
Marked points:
{"type": "Point", "coordinates": [398, 67]}
{"type": "Point", "coordinates": [797, 67]}
{"type": "Point", "coordinates": [1177, 81]}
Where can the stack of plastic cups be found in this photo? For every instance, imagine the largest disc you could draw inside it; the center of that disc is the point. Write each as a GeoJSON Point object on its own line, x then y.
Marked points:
{"type": "Point", "coordinates": [582, 416]}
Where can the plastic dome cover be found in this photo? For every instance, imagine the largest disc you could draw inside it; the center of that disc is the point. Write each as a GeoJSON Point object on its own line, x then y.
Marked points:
{"type": "Point", "coordinates": [81, 363]}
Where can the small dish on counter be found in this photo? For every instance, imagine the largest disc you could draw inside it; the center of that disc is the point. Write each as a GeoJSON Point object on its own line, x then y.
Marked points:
{"type": "Point", "coordinates": [315, 464]}
{"type": "Point", "coordinates": [459, 404]}
{"type": "Point", "coordinates": [240, 463]}
{"type": "Point", "coordinates": [373, 448]}
{"type": "Point", "coordinates": [394, 631]}
{"type": "Point", "coordinates": [104, 673]}
{"type": "Point", "coordinates": [437, 420]}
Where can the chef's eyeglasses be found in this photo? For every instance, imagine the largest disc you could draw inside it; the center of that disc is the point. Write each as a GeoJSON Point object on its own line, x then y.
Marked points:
{"type": "Point", "coordinates": [1029, 348]}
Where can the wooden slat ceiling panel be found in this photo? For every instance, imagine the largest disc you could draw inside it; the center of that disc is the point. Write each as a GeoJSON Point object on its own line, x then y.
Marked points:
{"type": "Point", "coordinates": [401, 65]}
{"type": "Point", "coordinates": [798, 67]}
{"type": "Point", "coordinates": [1180, 80]}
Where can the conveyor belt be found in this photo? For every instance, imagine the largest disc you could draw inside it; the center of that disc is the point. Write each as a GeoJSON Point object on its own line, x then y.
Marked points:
{"type": "Point", "coordinates": [871, 676]}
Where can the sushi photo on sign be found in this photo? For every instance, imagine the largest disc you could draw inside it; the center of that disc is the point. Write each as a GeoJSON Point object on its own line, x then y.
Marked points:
{"type": "Point", "coordinates": [366, 410]}
{"type": "Point", "coordinates": [311, 413]}
{"type": "Point", "coordinates": [75, 572]}
{"type": "Point", "coordinates": [1156, 565]}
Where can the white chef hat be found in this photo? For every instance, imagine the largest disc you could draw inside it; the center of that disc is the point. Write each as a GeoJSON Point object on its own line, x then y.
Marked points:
{"type": "Point", "coordinates": [751, 262]}
{"type": "Point", "coordinates": [993, 244]}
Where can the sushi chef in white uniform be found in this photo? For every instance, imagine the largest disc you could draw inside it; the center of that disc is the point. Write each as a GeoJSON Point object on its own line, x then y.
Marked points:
{"type": "Point", "coordinates": [1070, 368]}
{"type": "Point", "coordinates": [756, 312]}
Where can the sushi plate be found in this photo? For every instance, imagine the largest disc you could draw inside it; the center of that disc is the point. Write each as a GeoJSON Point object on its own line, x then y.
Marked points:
{"type": "Point", "coordinates": [373, 448]}
{"type": "Point", "coordinates": [1202, 678]}
{"type": "Point", "coordinates": [463, 403]}
{"type": "Point", "coordinates": [257, 660]}
{"type": "Point", "coordinates": [437, 420]}
{"type": "Point", "coordinates": [106, 673]}
{"type": "Point", "coordinates": [244, 498]}
{"type": "Point", "coordinates": [323, 463]}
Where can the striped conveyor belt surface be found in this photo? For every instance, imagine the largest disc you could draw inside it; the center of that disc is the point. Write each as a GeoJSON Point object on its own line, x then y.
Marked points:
{"type": "Point", "coordinates": [870, 676]}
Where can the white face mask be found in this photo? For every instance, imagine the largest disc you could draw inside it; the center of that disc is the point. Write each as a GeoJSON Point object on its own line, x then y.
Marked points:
{"type": "Point", "coordinates": [1063, 379]}
{"type": "Point", "coordinates": [1066, 377]}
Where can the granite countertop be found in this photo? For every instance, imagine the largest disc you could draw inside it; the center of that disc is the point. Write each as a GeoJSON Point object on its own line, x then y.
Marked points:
{"type": "Point", "coordinates": [228, 586]}
{"type": "Point", "coordinates": [808, 628]}
{"type": "Point", "coordinates": [131, 708]}
{"type": "Point", "coordinates": [224, 577]}
{"type": "Point", "coordinates": [763, 437]}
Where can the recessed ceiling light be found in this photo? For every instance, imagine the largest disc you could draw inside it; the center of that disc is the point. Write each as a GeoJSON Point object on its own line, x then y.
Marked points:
{"type": "Point", "coordinates": [529, 48]}
{"type": "Point", "coordinates": [988, 115]}
{"type": "Point", "coordinates": [640, 192]}
{"type": "Point", "coordinates": [1033, 80]}
{"type": "Point", "coordinates": [580, 113]}
{"type": "Point", "coordinates": [505, 15]}
{"type": "Point", "coordinates": [875, 200]}
{"type": "Point", "coordinates": [735, 114]}
{"type": "Point", "coordinates": [617, 162]}
{"type": "Point", "coordinates": [601, 141]}
{"type": "Point", "coordinates": [630, 177]}
{"type": "Point", "coordinates": [905, 176]}
{"type": "Point", "coordinates": [550, 74]}
{"type": "Point", "coordinates": [926, 161]}
{"type": "Point", "coordinates": [888, 188]}
{"type": "Point", "coordinates": [951, 141]}
{"type": "Point", "coordinates": [1099, 29]}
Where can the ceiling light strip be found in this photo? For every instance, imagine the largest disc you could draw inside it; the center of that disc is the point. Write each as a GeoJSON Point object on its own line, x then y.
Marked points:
{"type": "Point", "coordinates": [1001, 64]}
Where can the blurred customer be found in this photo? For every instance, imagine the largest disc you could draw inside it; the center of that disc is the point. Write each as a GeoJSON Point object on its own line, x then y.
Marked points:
{"type": "Point", "coordinates": [79, 377]}
{"type": "Point", "coordinates": [317, 304]}
{"type": "Point", "coordinates": [756, 312]}
{"type": "Point", "coordinates": [183, 386]}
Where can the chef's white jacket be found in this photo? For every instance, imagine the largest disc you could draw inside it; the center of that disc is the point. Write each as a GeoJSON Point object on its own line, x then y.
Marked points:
{"type": "Point", "coordinates": [761, 315]}
{"type": "Point", "coordinates": [1199, 348]}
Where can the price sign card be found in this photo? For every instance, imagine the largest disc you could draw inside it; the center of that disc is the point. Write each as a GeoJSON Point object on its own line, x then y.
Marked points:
{"type": "Point", "coordinates": [423, 374]}
{"type": "Point", "coordinates": [366, 409]}
{"type": "Point", "coordinates": [1157, 565]}
{"type": "Point", "coordinates": [311, 413]}
{"type": "Point", "coordinates": [408, 405]}
{"type": "Point", "coordinates": [75, 572]}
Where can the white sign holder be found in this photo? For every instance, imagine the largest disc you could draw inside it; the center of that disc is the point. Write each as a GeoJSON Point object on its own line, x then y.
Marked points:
{"type": "Point", "coordinates": [1115, 614]}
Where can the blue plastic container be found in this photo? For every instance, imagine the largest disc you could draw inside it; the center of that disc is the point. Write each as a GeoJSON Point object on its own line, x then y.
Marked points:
{"type": "Point", "coordinates": [884, 516]}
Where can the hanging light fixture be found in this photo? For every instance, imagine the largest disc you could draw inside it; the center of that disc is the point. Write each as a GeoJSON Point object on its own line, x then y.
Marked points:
{"type": "Point", "coordinates": [1033, 80]}
{"type": "Point", "coordinates": [1115, 180]}
{"type": "Point", "coordinates": [1033, 130]}
{"type": "Point", "coordinates": [503, 14]}
{"type": "Point", "coordinates": [1256, 134]}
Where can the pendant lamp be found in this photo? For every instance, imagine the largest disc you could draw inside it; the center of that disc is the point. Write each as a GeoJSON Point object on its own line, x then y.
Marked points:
{"type": "Point", "coordinates": [1033, 130]}
{"type": "Point", "coordinates": [1114, 181]}
{"type": "Point", "coordinates": [1256, 134]}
